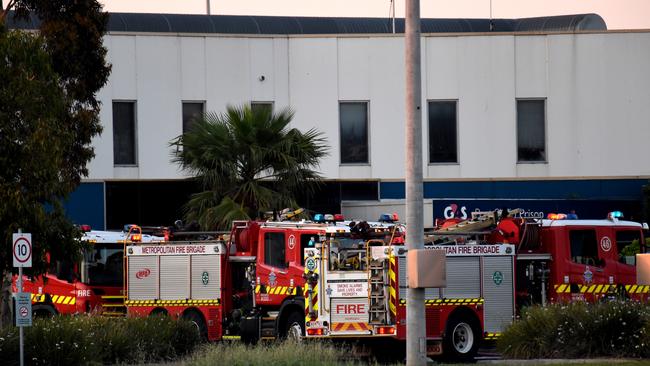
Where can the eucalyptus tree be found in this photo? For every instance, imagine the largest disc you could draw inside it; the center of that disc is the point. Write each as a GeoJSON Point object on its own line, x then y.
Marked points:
{"type": "Point", "coordinates": [48, 117]}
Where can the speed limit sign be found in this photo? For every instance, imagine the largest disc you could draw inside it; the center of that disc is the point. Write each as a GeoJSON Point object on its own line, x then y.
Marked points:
{"type": "Point", "coordinates": [22, 248]}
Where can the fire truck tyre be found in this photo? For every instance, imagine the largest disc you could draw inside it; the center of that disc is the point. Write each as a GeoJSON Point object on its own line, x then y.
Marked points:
{"type": "Point", "coordinates": [295, 326]}
{"type": "Point", "coordinates": [158, 312]}
{"type": "Point", "coordinates": [197, 320]}
{"type": "Point", "coordinates": [461, 339]}
{"type": "Point", "coordinates": [43, 311]}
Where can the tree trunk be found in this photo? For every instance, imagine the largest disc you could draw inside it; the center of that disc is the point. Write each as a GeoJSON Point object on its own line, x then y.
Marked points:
{"type": "Point", "coordinates": [5, 300]}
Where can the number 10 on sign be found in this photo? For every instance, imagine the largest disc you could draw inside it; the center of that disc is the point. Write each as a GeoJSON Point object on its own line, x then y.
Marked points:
{"type": "Point", "coordinates": [22, 250]}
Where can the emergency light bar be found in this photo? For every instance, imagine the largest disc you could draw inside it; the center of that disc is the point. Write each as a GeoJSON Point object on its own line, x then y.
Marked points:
{"type": "Point", "coordinates": [328, 218]}
{"type": "Point", "coordinates": [615, 215]}
{"type": "Point", "coordinates": [386, 217]}
{"type": "Point", "coordinates": [561, 216]}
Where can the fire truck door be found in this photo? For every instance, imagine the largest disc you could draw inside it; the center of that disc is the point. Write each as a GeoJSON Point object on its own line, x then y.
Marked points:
{"type": "Point", "coordinates": [626, 244]}
{"type": "Point", "coordinates": [272, 265]}
{"type": "Point", "coordinates": [588, 264]}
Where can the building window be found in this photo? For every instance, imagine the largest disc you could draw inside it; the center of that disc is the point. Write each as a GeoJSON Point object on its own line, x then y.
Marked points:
{"type": "Point", "coordinates": [274, 252]}
{"type": "Point", "coordinates": [124, 149]}
{"type": "Point", "coordinates": [354, 132]}
{"type": "Point", "coordinates": [531, 130]}
{"type": "Point", "coordinates": [260, 106]}
{"type": "Point", "coordinates": [443, 145]}
{"type": "Point", "coordinates": [191, 111]}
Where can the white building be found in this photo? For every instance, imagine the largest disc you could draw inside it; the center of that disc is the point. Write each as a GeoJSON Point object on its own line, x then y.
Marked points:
{"type": "Point", "coordinates": [556, 117]}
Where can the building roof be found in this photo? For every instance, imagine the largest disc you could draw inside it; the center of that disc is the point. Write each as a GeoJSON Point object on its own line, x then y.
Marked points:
{"type": "Point", "coordinates": [268, 25]}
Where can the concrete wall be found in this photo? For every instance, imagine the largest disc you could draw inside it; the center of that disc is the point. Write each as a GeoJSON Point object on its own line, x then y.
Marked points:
{"type": "Point", "coordinates": [597, 88]}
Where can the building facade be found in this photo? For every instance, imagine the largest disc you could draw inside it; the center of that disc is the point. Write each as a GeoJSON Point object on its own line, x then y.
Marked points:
{"type": "Point", "coordinates": [556, 117]}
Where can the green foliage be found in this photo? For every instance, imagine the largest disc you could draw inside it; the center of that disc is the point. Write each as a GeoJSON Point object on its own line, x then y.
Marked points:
{"type": "Point", "coordinates": [32, 149]}
{"type": "Point", "coordinates": [273, 354]}
{"type": "Point", "coordinates": [48, 117]}
{"type": "Point", "coordinates": [247, 161]}
{"type": "Point", "coordinates": [83, 340]}
{"type": "Point", "coordinates": [579, 330]}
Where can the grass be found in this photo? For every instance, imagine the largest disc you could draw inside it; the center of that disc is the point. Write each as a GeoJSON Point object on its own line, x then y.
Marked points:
{"type": "Point", "coordinates": [286, 353]}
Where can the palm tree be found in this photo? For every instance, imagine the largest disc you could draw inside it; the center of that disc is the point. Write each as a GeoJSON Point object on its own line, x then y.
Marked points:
{"type": "Point", "coordinates": [246, 161]}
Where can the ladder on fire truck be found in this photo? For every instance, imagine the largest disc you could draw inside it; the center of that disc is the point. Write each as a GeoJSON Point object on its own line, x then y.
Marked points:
{"type": "Point", "coordinates": [377, 280]}
{"type": "Point", "coordinates": [480, 220]}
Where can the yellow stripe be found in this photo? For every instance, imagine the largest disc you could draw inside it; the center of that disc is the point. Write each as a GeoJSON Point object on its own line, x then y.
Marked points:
{"type": "Point", "coordinates": [67, 300]}
{"type": "Point", "coordinates": [633, 288]}
{"type": "Point", "coordinates": [560, 288]}
{"type": "Point", "coordinates": [257, 289]}
{"type": "Point", "coordinates": [591, 288]}
{"type": "Point", "coordinates": [54, 298]}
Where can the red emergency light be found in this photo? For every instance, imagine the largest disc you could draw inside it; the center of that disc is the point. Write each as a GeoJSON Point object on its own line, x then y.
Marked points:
{"type": "Point", "coordinates": [556, 216]}
{"type": "Point", "coordinates": [85, 228]}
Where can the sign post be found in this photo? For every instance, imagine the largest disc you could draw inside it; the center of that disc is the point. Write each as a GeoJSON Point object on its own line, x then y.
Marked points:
{"type": "Point", "coordinates": [22, 250]}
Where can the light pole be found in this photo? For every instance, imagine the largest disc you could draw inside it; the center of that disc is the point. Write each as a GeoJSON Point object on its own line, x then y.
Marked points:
{"type": "Point", "coordinates": [416, 347]}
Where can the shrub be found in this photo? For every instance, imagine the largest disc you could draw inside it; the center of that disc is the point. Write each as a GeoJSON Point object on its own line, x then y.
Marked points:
{"type": "Point", "coordinates": [610, 329]}
{"type": "Point", "coordinates": [83, 340]}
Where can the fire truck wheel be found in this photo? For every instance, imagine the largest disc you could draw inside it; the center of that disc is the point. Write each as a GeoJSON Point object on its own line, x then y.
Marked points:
{"type": "Point", "coordinates": [461, 339]}
{"type": "Point", "coordinates": [295, 326]}
{"type": "Point", "coordinates": [43, 311]}
{"type": "Point", "coordinates": [197, 320]}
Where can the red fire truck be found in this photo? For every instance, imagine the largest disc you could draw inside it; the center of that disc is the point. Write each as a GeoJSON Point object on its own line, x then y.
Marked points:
{"type": "Point", "coordinates": [250, 286]}
{"type": "Point", "coordinates": [348, 279]}
{"type": "Point", "coordinates": [94, 284]}
{"type": "Point", "coordinates": [496, 263]}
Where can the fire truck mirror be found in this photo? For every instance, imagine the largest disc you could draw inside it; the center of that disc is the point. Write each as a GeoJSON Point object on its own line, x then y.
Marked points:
{"type": "Point", "coordinates": [643, 269]}
{"type": "Point", "coordinates": [426, 268]}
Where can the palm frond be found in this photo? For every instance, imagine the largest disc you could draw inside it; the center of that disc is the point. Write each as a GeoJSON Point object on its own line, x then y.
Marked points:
{"type": "Point", "coordinates": [232, 153]}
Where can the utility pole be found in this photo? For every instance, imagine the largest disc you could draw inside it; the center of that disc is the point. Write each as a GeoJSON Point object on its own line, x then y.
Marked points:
{"type": "Point", "coordinates": [416, 347]}
{"type": "Point", "coordinates": [207, 6]}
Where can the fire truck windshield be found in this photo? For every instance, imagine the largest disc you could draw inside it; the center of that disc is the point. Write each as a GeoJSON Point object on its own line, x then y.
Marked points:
{"type": "Point", "coordinates": [347, 254]}
{"type": "Point", "coordinates": [102, 265]}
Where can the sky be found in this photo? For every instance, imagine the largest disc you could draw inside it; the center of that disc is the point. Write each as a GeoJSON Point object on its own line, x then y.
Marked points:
{"type": "Point", "coordinates": [618, 14]}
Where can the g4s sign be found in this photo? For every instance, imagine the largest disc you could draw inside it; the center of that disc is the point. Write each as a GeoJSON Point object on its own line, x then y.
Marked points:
{"type": "Point", "coordinates": [452, 211]}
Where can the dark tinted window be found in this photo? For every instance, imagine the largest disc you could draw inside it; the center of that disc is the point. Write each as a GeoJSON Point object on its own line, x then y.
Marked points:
{"type": "Point", "coordinates": [584, 247]}
{"type": "Point", "coordinates": [262, 106]}
{"type": "Point", "coordinates": [191, 111]}
{"type": "Point", "coordinates": [531, 130]}
{"type": "Point", "coordinates": [124, 133]}
{"type": "Point", "coordinates": [274, 250]}
{"type": "Point", "coordinates": [442, 132]}
{"type": "Point", "coordinates": [354, 132]}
